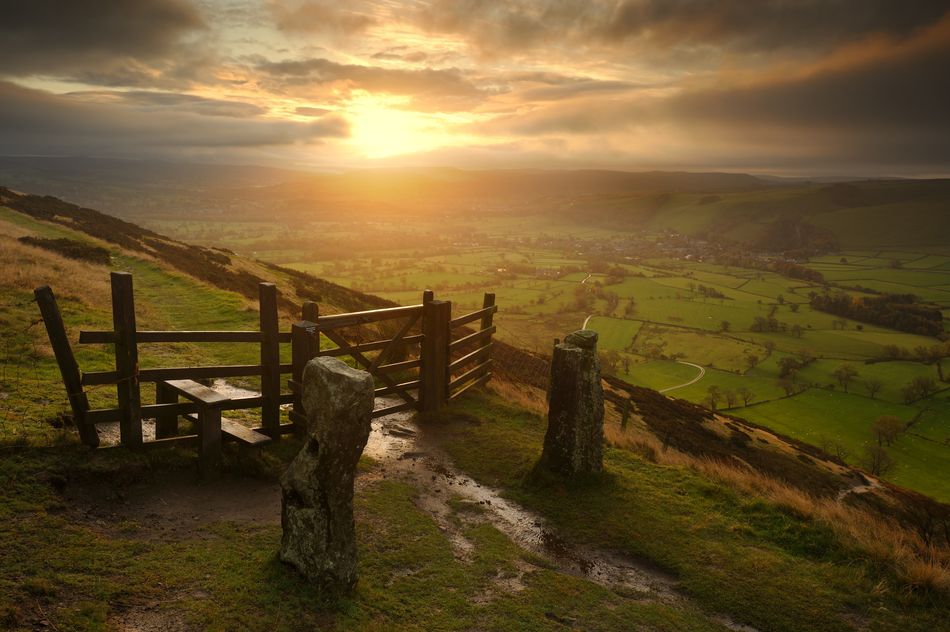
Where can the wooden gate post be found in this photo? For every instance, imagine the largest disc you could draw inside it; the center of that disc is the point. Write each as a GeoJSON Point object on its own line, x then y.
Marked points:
{"type": "Point", "coordinates": [270, 360]}
{"type": "Point", "coordinates": [126, 360]}
{"type": "Point", "coordinates": [434, 390]}
{"type": "Point", "coordinates": [305, 345]}
{"type": "Point", "coordinates": [68, 368]}
{"type": "Point", "coordinates": [166, 422]}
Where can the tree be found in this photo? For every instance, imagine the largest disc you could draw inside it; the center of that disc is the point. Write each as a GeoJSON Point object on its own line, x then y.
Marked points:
{"type": "Point", "coordinates": [713, 395]}
{"type": "Point", "coordinates": [874, 386]}
{"type": "Point", "coordinates": [793, 307]}
{"type": "Point", "coordinates": [731, 398]}
{"type": "Point", "coordinates": [918, 388]}
{"type": "Point", "coordinates": [845, 374]}
{"type": "Point", "coordinates": [877, 460]}
{"type": "Point", "coordinates": [631, 308]}
{"type": "Point", "coordinates": [751, 360]}
{"type": "Point", "coordinates": [886, 429]}
{"type": "Point", "coordinates": [788, 386]}
{"type": "Point", "coordinates": [797, 331]}
{"type": "Point", "coordinates": [781, 299]}
{"type": "Point", "coordinates": [746, 395]}
{"type": "Point", "coordinates": [724, 326]}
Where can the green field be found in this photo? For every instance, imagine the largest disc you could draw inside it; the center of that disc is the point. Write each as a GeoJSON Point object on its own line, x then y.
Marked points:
{"type": "Point", "coordinates": [654, 310]}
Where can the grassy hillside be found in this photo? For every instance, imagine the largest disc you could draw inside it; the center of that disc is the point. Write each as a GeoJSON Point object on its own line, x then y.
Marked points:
{"type": "Point", "coordinates": [756, 529]}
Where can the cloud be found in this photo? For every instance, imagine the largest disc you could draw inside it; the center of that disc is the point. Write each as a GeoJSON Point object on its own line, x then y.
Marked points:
{"type": "Point", "coordinates": [674, 29]}
{"type": "Point", "coordinates": [883, 100]}
{"type": "Point", "coordinates": [172, 102]}
{"type": "Point", "coordinates": [55, 38]}
{"type": "Point", "coordinates": [436, 88]}
{"type": "Point", "coordinates": [320, 17]}
{"type": "Point", "coordinates": [39, 122]}
{"type": "Point", "coordinates": [766, 25]}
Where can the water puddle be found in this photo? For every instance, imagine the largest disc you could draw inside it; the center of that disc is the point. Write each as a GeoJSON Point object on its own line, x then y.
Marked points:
{"type": "Point", "coordinates": [399, 447]}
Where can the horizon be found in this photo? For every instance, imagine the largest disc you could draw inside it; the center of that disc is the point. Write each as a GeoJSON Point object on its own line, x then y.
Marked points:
{"type": "Point", "coordinates": [811, 90]}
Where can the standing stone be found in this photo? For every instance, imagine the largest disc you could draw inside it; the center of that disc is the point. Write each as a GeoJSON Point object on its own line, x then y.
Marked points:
{"type": "Point", "coordinates": [575, 437]}
{"type": "Point", "coordinates": [319, 537]}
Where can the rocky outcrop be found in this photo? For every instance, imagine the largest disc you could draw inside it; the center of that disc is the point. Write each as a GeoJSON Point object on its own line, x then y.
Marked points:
{"type": "Point", "coordinates": [574, 440]}
{"type": "Point", "coordinates": [319, 537]}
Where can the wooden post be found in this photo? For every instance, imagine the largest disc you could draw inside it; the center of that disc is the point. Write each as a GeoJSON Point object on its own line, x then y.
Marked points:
{"type": "Point", "coordinates": [487, 302]}
{"type": "Point", "coordinates": [305, 344]}
{"type": "Point", "coordinates": [68, 368]}
{"type": "Point", "coordinates": [126, 360]}
{"type": "Point", "coordinates": [435, 355]}
{"type": "Point", "coordinates": [311, 312]}
{"type": "Point", "coordinates": [427, 296]}
{"type": "Point", "coordinates": [270, 361]}
{"type": "Point", "coordinates": [166, 423]}
{"type": "Point", "coordinates": [209, 441]}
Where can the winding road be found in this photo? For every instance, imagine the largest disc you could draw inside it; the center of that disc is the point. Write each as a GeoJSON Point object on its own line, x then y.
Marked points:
{"type": "Point", "coordinates": [702, 372]}
{"type": "Point", "coordinates": [699, 376]}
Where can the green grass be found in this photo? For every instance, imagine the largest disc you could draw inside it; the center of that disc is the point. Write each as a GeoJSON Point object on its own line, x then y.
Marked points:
{"type": "Point", "coordinates": [77, 573]}
{"type": "Point", "coordinates": [732, 553]}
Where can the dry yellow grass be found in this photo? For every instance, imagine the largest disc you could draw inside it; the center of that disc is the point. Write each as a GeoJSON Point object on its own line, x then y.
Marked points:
{"type": "Point", "coordinates": [24, 267]}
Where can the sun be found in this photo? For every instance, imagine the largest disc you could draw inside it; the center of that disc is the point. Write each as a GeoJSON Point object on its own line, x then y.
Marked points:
{"type": "Point", "coordinates": [380, 128]}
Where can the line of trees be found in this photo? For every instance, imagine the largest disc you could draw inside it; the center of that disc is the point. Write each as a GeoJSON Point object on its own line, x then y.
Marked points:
{"type": "Point", "coordinates": [896, 311]}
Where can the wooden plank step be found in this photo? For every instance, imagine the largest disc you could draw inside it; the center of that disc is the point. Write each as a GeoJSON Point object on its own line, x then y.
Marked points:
{"type": "Point", "coordinates": [239, 432]}
{"type": "Point", "coordinates": [236, 431]}
{"type": "Point", "coordinates": [197, 392]}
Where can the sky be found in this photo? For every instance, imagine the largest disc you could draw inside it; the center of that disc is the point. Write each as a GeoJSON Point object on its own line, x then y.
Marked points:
{"type": "Point", "coordinates": [806, 87]}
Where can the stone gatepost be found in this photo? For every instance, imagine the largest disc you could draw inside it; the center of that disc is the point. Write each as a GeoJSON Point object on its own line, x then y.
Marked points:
{"type": "Point", "coordinates": [319, 537]}
{"type": "Point", "coordinates": [575, 437]}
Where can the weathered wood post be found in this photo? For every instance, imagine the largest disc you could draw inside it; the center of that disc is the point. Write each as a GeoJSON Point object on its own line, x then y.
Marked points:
{"type": "Point", "coordinates": [126, 360]}
{"type": "Point", "coordinates": [68, 367]}
{"type": "Point", "coordinates": [487, 302]}
{"type": "Point", "coordinates": [305, 345]}
{"type": "Point", "coordinates": [434, 373]}
{"type": "Point", "coordinates": [166, 422]}
{"type": "Point", "coordinates": [270, 360]}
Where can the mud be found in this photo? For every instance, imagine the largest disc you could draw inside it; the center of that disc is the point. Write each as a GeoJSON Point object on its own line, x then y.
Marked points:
{"type": "Point", "coordinates": [402, 450]}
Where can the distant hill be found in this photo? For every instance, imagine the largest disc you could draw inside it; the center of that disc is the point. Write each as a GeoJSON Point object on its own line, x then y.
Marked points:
{"type": "Point", "coordinates": [734, 206]}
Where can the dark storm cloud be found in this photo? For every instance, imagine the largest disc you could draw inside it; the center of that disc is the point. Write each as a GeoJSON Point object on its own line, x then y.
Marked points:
{"type": "Point", "coordinates": [54, 37]}
{"type": "Point", "coordinates": [173, 102]}
{"type": "Point", "coordinates": [739, 25]}
{"type": "Point", "coordinates": [37, 122]}
{"type": "Point", "coordinates": [882, 101]}
{"type": "Point", "coordinates": [442, 88]}
{"type": "Point", "coordinates": [766, 24]}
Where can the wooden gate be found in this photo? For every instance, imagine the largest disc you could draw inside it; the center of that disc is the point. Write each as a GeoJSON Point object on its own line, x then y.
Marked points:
{"type": "Point", "coordinates": [409, 354]}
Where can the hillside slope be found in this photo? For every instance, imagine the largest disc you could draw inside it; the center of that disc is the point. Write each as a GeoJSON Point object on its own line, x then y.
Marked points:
{"type": "Point", "coordinates": [755, 529]}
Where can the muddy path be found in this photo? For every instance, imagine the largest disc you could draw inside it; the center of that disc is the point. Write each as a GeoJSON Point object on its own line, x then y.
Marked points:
{"type": "Point", "coordinates": [402, 450]}
{"type": "Point", "coordinates": [178, 506]}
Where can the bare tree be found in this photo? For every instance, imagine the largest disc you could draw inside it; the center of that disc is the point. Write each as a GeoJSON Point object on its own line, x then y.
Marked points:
{"type": "Point", "coordinates": [746, 395]}
{"type": "Point", "coordinates": [874, 386]}
{"type": "Point", "coordinates": [731, 398]}
{"type": "Point", "coordinates": [886, 429]}
{"type": "Point", "coordinates": [877, 460]}
{"type": "Point", "coordinates": [713, 396]}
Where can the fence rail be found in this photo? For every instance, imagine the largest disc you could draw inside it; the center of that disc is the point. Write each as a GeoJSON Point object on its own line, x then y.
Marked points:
{"type": "Point", "coordinates": [413, 362]}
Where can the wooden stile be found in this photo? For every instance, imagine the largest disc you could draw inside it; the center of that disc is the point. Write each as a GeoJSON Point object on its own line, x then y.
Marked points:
{"type": "Point", "coordinates": [126, 359]}
{"type": "Point", "coordinates": [392, 366]}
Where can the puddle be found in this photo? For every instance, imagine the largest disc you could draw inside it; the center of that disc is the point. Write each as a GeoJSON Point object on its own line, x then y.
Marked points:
{"type": "Point", "coordinates": [400, 449]}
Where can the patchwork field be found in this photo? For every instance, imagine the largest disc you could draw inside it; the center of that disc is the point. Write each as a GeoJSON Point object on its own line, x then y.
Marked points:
{"type": "Point", "coordinates": [662, 315]}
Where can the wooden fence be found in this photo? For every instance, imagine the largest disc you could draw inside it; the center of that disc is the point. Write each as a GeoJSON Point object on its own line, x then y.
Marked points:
{"type": "Point", "coordinates": [413, 364]}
